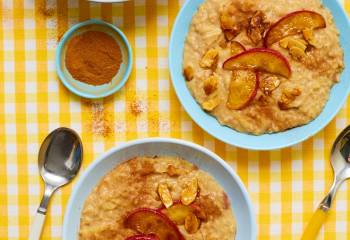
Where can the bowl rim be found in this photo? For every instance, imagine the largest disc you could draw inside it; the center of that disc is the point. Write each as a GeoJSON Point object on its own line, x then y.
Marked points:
{"type": "Point", "coordinates": [287, 138]}
{"type": "Point", "coordinates": [194, 146]}
{"type": "Point", "coordinates": [68, 34]}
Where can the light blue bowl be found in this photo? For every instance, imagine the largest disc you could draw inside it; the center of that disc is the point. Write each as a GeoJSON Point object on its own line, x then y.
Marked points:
{"type": "Point", "coordinates": [200, 156]}
{"type": "Point", "coordinates": [86, 90]}
{"type": "Point", "coordinates": [268, 141]}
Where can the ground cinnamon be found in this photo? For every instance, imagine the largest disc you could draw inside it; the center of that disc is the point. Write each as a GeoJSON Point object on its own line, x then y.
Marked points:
{"type": "Point", "coordinates": [93, 57]}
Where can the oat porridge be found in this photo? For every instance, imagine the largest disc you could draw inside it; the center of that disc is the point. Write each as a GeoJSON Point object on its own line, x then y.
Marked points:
{"type": "Point", "coordinates": [262, 66]}
{"type": "Point", "coordinates": [157, 198]}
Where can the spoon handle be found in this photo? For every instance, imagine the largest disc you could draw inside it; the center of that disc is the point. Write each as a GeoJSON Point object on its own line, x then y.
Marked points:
{"type": "Point", "coordinates": [315, 224]}
{"type": "Point", "coordinates": [37, 226]}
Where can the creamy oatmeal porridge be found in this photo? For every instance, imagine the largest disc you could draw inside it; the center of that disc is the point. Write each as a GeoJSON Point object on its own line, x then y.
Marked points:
{"type": "Point", "coordinates": [157, 198]}
{"type": "Point", "coordinates": [262, 66]}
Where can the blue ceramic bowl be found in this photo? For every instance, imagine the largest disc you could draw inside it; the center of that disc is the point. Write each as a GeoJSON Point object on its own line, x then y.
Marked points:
{"type": "Point", "coordinates": [86, 90]}
{"type": "Point", "coordinates": [200, 156]}
{"type": "Point", "coordinates": [268, 141]}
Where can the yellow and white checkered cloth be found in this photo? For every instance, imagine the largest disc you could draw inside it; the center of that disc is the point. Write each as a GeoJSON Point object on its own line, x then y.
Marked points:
{"type": "Point", "coordinates": [285, 185]}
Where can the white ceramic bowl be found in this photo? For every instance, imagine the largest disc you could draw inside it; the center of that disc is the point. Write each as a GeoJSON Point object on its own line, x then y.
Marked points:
{"type": "Point", "coordinates": [203, 158]}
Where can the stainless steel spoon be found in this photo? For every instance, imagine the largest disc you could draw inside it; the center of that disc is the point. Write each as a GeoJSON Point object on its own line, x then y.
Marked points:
{"type": "Point", "coordinates": [340, 160]}
{"type": "Point", "coordinates": [60, 157]}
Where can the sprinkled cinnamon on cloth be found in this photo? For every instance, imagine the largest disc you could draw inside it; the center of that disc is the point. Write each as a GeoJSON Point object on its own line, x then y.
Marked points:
{"type": "Point", "coordinates": [101, 124]}
{"type": "Point", "coordinates": [137, 107]}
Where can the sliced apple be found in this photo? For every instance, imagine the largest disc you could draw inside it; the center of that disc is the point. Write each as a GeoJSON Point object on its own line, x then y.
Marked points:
{"type": "Point", "coordinates": [260, 59]}
{"type": "Point", "coordinates": [243, 89]}
{"type": "Point", "coordinates": [143, 237]}
{"type": "Point", "coordinates": [151, 221]}
{"type": "Point", "coordinates": [293, 23]}
{"type": "Point", "coordinates": [178, 212]}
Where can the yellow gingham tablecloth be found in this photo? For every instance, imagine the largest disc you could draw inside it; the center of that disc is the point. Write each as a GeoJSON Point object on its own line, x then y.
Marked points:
{"type": "Point", "coordinates": [285, 185]}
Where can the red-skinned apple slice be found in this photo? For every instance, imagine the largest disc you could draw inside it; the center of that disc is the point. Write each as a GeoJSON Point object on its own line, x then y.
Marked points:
{"type": "Point", "coordinates": [260, 59]}
{"type": "Point", "coordinates": [151, 221]}
{"type": "Point", "coordinates": [243, 89]}
{"type": "Point", "coordinates": [292, 24]}
{"type": "Point", "coordinates": [143, 237]}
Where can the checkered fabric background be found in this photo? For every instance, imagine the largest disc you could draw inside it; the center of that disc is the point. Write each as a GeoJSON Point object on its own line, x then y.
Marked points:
{"type": "Point", "coordinates": [285, 185]}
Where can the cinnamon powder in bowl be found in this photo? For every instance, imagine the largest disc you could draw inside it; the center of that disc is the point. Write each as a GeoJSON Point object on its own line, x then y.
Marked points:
{"type": "Point", "coordinates": [94, 59]}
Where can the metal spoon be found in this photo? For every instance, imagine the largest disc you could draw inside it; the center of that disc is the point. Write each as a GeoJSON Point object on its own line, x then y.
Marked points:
{"type": "Point", "coordinates": [340, 160]}
{"type": "Point", "coordinates": [59, 158]}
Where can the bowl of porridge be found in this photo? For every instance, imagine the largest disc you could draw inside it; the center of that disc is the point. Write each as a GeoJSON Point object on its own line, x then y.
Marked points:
{"type": "Point", "coordinates": [259, 74]}
{"type": "Point", "coordinates": [158, 189]}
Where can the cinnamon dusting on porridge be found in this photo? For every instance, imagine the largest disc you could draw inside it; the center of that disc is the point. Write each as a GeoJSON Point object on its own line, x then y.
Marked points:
{"type": "Point", "coordinates": [262, 66]}
{"type": "Point", "coordinates": [157, 198]}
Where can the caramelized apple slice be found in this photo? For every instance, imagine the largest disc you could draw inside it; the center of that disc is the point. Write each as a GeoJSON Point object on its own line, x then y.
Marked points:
{"type": "Point", "coordinates": [150, 221]}
{"type": "Point", "coordinates": [243, 89]}
{"type": "Point", "coordinates": [261, 59]}
{"type": "Point", "coordinates": [178, 212]}
{"type": "Point", "coordinates": [143, 237]}
{"type": "Point", "coordinates": [293, 23]}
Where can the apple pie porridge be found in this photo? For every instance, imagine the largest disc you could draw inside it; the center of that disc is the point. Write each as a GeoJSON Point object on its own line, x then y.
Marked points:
{"type": "Point", "coordinates": [157, 198]}
{"type": "Point", "coordinates": [262, 66]}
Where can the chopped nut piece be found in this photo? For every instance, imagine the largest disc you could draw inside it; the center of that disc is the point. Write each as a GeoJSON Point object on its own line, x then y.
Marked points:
{"type": "Point", "coordinates": [288, 96]}
{"type": "Point", "coordinates": [284, 42]}
{"type": "Point", "coordinates": [210, 84]}
{"type": "Point", "coordinates": [210, 58]}
{"type": "Point", "coordinates": [173, 171]}
{"type": "Point", "coordinates": [245, 6]}
{"type": "Point", "coordinates": [192, 223]}
{"type": "Point", "coordinates": [296, 47]}
{"type": "Point", "coordinates": [297, 53]}
{"type": "Point", "coordinates": [234, 20]}
{"type": "Point", "coordinates": [147, 168]}
{"type": "Point", "coordinates": [289, 42]}
{"type": "Point", "coordinates": [164, 194]}
{"type": "Point", "coordinates": [269, 84]}
{"type": "Point", "coordinates": [236, 48]}
{"type": "Point", "coordinates": [226, 20]}
{"type": "Point", "coordinates": [309, 37]}
{"type": "Point", "coordinates": [222, 42]}
{"type": "Point", "coordinates": [189, 194]}
{"type": "Point", "coordinates": [257, 27]}
{"type": "Point", "coordinates": [188, 72]}
{"type": "Point", "coordinates": [299, 43]}
{"type": "Point", "coordinates": [199, 212]}
{"type": "Point", "coordinates": [230, 34]}
{"type": "Point", "coordinates": [264, 100]}
{"type": "Point", "coordinates": [211, 103]}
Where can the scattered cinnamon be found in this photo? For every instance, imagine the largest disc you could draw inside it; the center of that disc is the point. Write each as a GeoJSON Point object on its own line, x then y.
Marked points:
{"type": "Point", "coordinates": [101, 125]}
{"type": "Point", "coordinates": [45, 11]}
{"type": "Point", "coordinates": [93, 57]}
{"type": "Point", "coordinates": [137, 107]}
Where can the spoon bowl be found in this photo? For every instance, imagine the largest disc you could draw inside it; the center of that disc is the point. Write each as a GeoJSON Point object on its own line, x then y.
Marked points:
{"type": "Point", "coordinates": [59, 161]}
{"type": "Point", "coordinates": [340, 158]}
{"type": "Point", "coordinates": [58, 156]}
